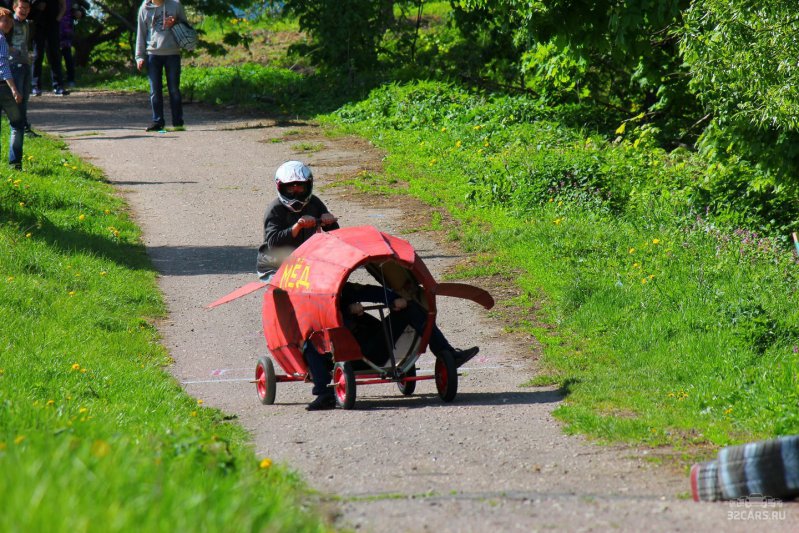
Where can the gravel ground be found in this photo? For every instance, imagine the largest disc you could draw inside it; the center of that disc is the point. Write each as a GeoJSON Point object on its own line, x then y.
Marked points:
{"type": "Point", "coordinates": [493, 460]}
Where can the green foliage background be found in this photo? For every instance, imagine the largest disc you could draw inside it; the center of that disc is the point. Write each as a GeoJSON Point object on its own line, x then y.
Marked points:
{"type": "Point", "coordinates": [704, 74]}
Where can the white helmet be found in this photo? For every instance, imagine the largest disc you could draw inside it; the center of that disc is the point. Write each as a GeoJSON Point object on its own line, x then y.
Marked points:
{"type": "Point", "coordinates": [294, 172]}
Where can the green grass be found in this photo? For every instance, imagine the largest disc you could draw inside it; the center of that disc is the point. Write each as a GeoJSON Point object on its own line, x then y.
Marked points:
{"type": "Point", "coordinates": [273, 90]}
{"type": "Point", "coordinates": [661, 323]}
{"type": "Point", "coordinates": [94, 433]}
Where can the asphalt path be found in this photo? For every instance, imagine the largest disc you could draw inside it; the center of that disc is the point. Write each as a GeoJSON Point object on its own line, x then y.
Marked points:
{"type": "Point", "coordinates": [493, 460]}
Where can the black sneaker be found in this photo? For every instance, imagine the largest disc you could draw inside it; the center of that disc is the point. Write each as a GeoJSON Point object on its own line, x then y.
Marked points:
{"type": "Point", "coordinates": [60, 92]}
{"type": "Point", "coordinates": [155, 126]}
{"type": "Point", "coordinates": [177, 124]}
{"type": "Point", "coordinates": [463, 356]}
{"type": "Point", "coordinates": [30, 133]}
{"type": "Point", "coordinates": [324, 402]}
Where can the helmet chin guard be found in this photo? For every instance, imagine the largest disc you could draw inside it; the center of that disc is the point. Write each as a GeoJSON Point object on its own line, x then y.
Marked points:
{"type": "Point", "coordinates": [294, 182]}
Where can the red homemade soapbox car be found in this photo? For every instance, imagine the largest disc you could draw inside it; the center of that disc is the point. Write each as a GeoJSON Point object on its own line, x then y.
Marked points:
{"type": "Point", "coordinates": [302, 303]}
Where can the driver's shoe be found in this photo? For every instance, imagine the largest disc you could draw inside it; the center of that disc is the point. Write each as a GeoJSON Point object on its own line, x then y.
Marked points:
{"type": "Point", "coordinates": [323, 402]}
{"type": "Point", "coordinates": [463, 356]}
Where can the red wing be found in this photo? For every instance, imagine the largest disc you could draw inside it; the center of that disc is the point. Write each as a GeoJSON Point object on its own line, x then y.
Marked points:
{"type": "Point", "coordinates": [238, 293]}
{"type": "Point", "coordinates": [467, 292]}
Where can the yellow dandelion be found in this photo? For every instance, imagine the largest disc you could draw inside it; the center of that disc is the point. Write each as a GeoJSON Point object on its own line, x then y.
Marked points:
{"type": "Point", "coordinates": [443, 130]}
{"type": "Point", "coordinates": [557, 221]}
{"type": "Point", "coordinates": [83, 370]}
{"type": "Point", "coordinates": [22, 204]}
{"type": "Point", "coordinates": [9, 279]}
{"type": "Point", "coordinates": [107, 211]}
{"type": "Point", "coordinates": [458, 144]}
{"type": "Point", "coordinates": [82, 217]}
{"type": "Point", "coordinates": [103, 273]}
{"type": "Point", "coordinates": [194, 413]}
{"type": "Point", "coordinates": [636, 265]}
{"type": "Point", "coordinates": [100, 448]}
{"type": "Point", "coordinates": [71, 293]}
{"type": "Point", "coordinates": [478, 127]}
{"type": "Point", "coordinates": [728, 410]}
{"type": "Point", "coordinates": [485, 144]}
{"type": "Point", "coordinates": [199, 402]}
{"type": "Point", "coordinates": [643, 280]}
{"type": "Point", "coordinates": [651, 276]}
{"type": "Point", "coordinates": [560, 203]}
{"type": "Point", "coordinates": [50, 403]}
{"type": "Point", "coordinates": [655, 241]}
{"type": "Point", "coordinates": [66, 164]}
{"type": "Point", "coordinates": [19, 438]}
{"type": "Point", "coordinates": [266, 462]}
{"type": "Point", "coordinates": [28, 235]}
{"type": "Point", "coordinates": [83, 410]}
{"type": "Point", "coordinates": [2, 371]}
{"type": "Point", "coordinates": [631, 251]}
{"type": "Point", "coordinates": [76, 366]}
{"type": "Point", "coordinates": [30, 158]}
{"type": "Point", "coordinates": [551, 200]}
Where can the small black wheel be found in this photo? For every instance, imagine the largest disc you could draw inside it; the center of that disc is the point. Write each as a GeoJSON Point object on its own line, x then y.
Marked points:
{"type": "Point", "coordinates": [446, 376]}
{"type": "Point", "coordinates": [408, 387]}
{"type": "Point", "coordinates": [344, 385]}
{"type": "Point", "coordinates": [265, 380]}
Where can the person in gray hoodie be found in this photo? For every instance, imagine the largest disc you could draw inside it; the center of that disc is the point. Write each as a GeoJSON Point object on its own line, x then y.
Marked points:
{"type": "Point", "coordinates": [156, 46]}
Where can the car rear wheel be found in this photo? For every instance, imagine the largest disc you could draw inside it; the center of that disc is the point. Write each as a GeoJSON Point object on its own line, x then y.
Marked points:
{"type": "Point", "coordinates": [446, 376]}
{"type": "Point", "coordinates": [265, 380]}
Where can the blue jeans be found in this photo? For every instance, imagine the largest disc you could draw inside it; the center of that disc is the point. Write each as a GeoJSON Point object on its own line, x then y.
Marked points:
{"type": "Point", "coordinates": [156, 65]}
{"type": "Point", "coordinates": [11, 108]}
{"type": "Point", "coordinates": [21, 73]}
{"type": "Point", "coordinates": [320, 366]}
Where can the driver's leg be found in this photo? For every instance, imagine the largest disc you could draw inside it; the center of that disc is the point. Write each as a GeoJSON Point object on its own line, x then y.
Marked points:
{"type": "Point", "coordinates": [320, 368]}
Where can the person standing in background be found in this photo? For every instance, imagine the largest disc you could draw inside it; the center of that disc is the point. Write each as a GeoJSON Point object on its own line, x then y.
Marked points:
{"type": "Point", "coordinates": [47, 15]}
{"type": "Point", "coordinates": [10, 97]}
{"type": "Point", "coordinates": [156, 46]}
{"type": "Point", "coordinates": [20, 50]}
{"type": "Point", "coordinates": [71, 14]}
